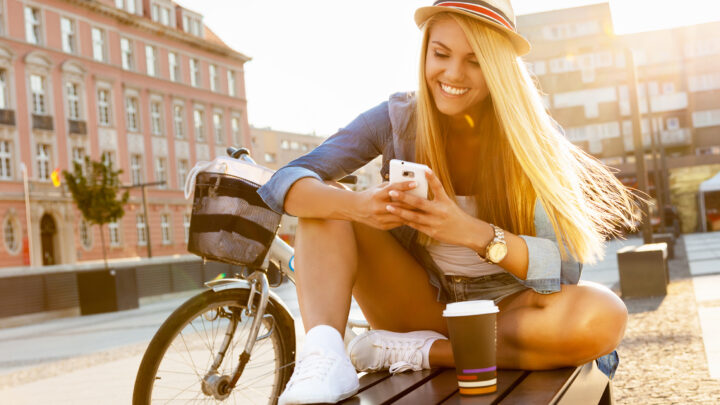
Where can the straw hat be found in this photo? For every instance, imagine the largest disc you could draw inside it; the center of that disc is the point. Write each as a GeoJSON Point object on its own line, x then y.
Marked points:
{"type": "Point", "coordinates": [498, 13]}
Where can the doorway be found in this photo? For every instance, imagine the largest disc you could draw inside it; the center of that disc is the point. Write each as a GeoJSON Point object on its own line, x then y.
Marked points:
{"type": "Point", "coordinates": [48, 229]}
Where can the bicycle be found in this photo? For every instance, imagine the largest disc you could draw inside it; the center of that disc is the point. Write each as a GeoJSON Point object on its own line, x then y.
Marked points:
{"type": "Point", "coordinates": [186, 361]}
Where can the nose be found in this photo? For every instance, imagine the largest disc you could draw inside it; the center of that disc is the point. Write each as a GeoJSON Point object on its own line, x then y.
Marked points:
{"type": "Point", "coordinates": [455, 71]}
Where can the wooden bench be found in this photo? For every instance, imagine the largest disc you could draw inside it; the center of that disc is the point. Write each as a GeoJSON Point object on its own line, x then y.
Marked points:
{"type": "Point", "coordinates": [581, 385]}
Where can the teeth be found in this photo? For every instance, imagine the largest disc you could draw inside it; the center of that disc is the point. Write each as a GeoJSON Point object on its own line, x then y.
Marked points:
{"type": "Point", "coordinates": [453, 90]}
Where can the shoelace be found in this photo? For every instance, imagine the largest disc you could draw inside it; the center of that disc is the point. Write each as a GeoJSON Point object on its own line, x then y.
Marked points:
{"type": "Point", "coordinates": [315, 364]}
{"type": "Point", "coordinates": [401, 355]}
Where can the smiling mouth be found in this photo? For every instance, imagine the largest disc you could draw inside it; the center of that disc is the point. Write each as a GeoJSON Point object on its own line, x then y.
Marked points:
{"type": "Point", "coordinates": [453, 91]}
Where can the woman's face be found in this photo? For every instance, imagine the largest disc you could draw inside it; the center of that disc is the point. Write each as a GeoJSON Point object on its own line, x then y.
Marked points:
{"type": "Point", "coordinates": [452, 71]}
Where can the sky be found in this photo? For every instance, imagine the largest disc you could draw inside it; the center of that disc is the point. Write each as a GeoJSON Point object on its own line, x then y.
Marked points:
{"type": "Point", "coordinates": [318, 64]}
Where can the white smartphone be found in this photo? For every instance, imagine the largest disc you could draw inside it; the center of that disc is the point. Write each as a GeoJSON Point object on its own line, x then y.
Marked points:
{"type": "Point", "coordinates": [401, 171]}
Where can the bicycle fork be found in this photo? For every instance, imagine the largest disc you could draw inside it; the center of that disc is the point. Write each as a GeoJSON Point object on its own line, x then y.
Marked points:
{"type": "Point", "coordinates": [219, 386]}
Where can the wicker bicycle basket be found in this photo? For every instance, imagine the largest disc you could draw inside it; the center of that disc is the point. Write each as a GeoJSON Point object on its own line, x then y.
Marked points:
{"type": "Point", "coordinates": [230, 223]}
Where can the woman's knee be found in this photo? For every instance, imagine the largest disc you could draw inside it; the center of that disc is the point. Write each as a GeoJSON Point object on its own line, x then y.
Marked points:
{"type": "Point", "coordinates": [597, 320]}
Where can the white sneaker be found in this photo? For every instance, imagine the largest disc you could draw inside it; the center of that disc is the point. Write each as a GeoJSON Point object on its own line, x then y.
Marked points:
{"type": "Point", "coordinates": [377, 350]}
{"type": "Point", "coordinates": [320, 376]}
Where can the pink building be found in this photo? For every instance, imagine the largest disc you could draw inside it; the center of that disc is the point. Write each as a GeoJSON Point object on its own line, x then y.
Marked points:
{"type": "Point", "coordinates": [142, 82]}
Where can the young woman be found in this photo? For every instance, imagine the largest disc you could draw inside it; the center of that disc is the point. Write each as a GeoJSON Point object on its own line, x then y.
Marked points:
{"type": "Point", "coordinates": [515, 209]}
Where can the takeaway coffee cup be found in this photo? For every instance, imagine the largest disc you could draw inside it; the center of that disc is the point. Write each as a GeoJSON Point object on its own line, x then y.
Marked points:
{"type": "Point", "coordinates": [472, 327]}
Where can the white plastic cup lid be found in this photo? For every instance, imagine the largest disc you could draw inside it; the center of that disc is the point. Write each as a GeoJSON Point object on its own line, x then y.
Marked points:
{"type": "Point", "coordinates": [469, 308]}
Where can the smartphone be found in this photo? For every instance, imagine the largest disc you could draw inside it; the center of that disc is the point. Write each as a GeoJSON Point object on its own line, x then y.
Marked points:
{"type": "Point", "coordinates": [401, 171]}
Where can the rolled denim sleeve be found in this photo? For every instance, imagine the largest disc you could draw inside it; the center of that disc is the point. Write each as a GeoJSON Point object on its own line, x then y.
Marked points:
{"type": "Point", "coordinates": [341, 154]}
{"type": "Point", "coordinates": [546, 269]}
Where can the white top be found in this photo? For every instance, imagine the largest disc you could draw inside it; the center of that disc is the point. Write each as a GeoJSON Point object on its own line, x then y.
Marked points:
{"type": "Point", "coordinates": [460, 260]}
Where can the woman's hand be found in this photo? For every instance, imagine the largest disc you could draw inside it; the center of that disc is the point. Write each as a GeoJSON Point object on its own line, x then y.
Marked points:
{"type": "Point", "coordinates": [440, 218]}
{"type": "Point", "coordinates": [371, 205]}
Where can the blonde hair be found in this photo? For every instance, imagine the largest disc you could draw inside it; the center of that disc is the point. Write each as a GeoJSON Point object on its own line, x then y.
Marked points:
{"type": "Point", "coordinates": [525, 155]}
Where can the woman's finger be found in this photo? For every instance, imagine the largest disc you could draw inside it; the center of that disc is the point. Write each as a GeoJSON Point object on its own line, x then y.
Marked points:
{"type": "Point", "coordinates": [436, 186]}
{"type": "Point", "coordinates": [409, 216]}
{"type": "Point", "coordinates": [412, 200]}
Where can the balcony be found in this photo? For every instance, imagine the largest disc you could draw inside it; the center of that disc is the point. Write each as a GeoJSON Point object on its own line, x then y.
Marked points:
{"type": "Point", "coordinates": [676, 137]}
{"type": "Point", "coordinates": [669, 102]}
{"type": "Point", "coordinates": [44, 122]}
{"type": "Point", "coordinates": [7, 117]}
{"type": "Point", "coordinates": [77, 127]}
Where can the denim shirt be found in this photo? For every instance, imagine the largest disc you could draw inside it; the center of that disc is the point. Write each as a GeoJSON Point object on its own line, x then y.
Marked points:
{"type": "Point", "coordinates": [389, 130]}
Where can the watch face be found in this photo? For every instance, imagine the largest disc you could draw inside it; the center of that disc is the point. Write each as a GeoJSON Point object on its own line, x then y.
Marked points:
{"type": "Point", "coordinates": [497, 252]}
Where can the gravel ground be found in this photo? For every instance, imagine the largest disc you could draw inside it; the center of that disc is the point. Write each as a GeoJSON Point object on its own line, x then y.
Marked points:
{"type": "Point", "coordinates": [662, 358]}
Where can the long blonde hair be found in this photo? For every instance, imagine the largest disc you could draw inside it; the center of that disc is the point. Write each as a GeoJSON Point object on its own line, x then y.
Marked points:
{"type": "Point", "coordinates": [525, 157]}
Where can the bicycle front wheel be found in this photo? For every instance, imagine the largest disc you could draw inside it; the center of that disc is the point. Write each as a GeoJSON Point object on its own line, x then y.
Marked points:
{"type": "Point", "coordinates": [177, 363]}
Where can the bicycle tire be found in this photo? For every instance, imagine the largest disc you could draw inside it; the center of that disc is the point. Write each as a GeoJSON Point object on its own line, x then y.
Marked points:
{"type": "Point", "coordinates": [282, 340]}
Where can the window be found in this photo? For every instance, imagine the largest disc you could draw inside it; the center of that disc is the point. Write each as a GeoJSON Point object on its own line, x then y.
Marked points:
{"type": "Point", "coordinates": [161, 171]}
{"type": "Point", "coordinates": [231, 83]}
{"type": "Point", "coordinates": [127, 5]}
{"type": "Point", "coordinates": [136, 172]}
{"type": "Point", "coordinates": [673, 123]}
{"type": "Point", "coordinates": [156, 118]}
{"type": "Point", "coordinates": [42, 156]}
{"type": "Point", "coordinates": [32, 25]}
{"type": "Point", "coordinates": [98, 44]}
{"type": "Point", "coordinates": [196, 28]}
{"type": "Point", "coordinates": [186, 226]}
{"type": "Point", "coordinates": [294, 145]}
{"type": "Point", "coordinates": [67, 32]}
{"type": "Point", "coordinates": [164, 16]}
{"type": "Point", "coordinates": [235, 125]}
{"type": "Point", "coordinates": [128, 61]}
{"type": "Point", "coordinates": [85, 234]}
{"type": "Point", "coordinates": [186, 23]}
{"type": "Point", "coordinates": [140, 227]}
{"type": "Point", "coordinates": [10, 233]}
{"type": "Point", "coordinates": [285, 144]}
{"type": "Point", "coordinates": [114, 231]}
{"type": "Point", "coordinates": [182, 170]}
{"type": "Point", "coordinates": [78, 156]}
{"type": "Point", "coordinates": [178, 122]}
{"type": "Point", "coordinates": [155, 13]}
{"type": "Point", "coordinates": [199, 125]}
{"type": "Point", "coordinates": [131, 113]}
{"type": "Point", "coordinates": [104, 107]}
{"type": "Point", "coordinates": [269, 157]}
{"type": "Point", "coordinates": [194, 72]}
{"type": "Point", "coordinates": [668, 88]}
{"type": "Point", "coordinates": [73, 100]}
{"type": "Point", "coordinates": [109, 158]}
{"type": "Point", "coordinates": [5, 161]}
{"type": "Point", "coordinates": [218, 127]}
{"type": "Point", "coordinates": [165, 228]}
{"type": "Point", "coordinates": [174, 66]}
{"type": "Point", "coordinates": [4, 99]}
{"type": "Point", "coordinates": [37, 87]}
{"type": "Point", "coordinates": [214, 78]}
{"type": "Point", "coordinates": [151, 60]}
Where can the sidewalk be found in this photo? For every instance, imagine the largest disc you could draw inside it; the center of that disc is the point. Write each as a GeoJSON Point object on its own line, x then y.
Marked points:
{"type": "Point", "coordinates": [670, 354]}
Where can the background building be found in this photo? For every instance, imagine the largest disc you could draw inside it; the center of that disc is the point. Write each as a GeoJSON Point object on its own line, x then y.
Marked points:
{"type": "Point", "coordinates": [580, 65]}
{"type": "Point", "coordinates": [142, 82]}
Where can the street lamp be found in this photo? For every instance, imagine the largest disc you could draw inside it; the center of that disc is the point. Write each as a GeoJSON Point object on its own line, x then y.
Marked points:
{"type": "Point", "coordinates": [145, 210]}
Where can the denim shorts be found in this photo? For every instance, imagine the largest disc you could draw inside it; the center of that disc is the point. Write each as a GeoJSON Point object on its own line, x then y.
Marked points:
{"type": "Point", "coordinates": [492, 287]}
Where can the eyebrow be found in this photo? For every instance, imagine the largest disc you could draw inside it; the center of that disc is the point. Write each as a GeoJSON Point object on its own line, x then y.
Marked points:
{"type": "Point", "coordinates": [446, 47]}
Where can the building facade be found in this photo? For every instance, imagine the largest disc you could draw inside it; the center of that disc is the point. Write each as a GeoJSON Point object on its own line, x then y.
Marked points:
{"type": "Point", "coordinates": [580, 65]}
{"type": "Point", "coordinates": [143, 83]}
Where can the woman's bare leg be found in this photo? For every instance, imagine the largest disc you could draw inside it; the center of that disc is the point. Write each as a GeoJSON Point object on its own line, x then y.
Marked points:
{"type": "Point", "coordinates": [537, 331]}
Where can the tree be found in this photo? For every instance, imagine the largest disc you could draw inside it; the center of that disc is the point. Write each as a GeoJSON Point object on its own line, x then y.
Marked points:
{"type": "Point", "coordinates": [95, 192]}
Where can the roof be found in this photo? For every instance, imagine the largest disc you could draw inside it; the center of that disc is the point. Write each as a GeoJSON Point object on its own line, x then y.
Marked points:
{"type": "Point", "coordinates": [711, 184]}
{"type": "Point", "coordinates": [212, 37]}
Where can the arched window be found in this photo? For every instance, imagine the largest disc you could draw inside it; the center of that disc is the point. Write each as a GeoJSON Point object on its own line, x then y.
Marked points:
{"type": "Point", "coordinates": [11, 235]}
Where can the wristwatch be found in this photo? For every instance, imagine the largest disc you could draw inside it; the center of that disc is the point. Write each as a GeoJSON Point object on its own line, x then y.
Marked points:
{"type": "Point", "coordinates": [497, 248]}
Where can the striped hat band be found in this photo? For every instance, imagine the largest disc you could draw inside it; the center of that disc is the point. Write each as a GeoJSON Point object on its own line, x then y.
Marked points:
{"type": "Point", "coordinates": [481, 9]}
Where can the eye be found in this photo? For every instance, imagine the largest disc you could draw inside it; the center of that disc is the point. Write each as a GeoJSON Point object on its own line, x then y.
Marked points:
{"type": "Point", "coordinates": [440, 55]}
{"type": "Point", "coordinates": [474, 63]}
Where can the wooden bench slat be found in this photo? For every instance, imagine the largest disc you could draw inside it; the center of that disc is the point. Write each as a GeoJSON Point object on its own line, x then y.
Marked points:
{"type": "Point", "coordinates": [433, 391]}
{"type": "Point", "coordinates": [588, 386]}
{"type": "Point", "coordinates": [507, 380]}
{"type": "Point", "coordinates": [541, 387]}
{"type": "Point", "coordinates": [367, 380]}
{"type": "Point", "coordinates": [388, 390]}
